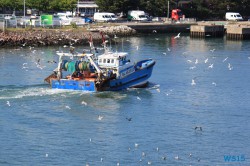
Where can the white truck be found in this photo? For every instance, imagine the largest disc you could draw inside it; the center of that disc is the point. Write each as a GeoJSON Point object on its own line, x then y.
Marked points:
{"type": "Point", "coordinates": [137, 15]}
{"type": "Point", "coordinates": [104, 17]}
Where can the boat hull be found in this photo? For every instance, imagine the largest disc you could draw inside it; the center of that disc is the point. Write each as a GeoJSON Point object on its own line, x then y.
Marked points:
{"type": "Point", "coordinates": [83, 85]}
{"type": "Point", "coordinates": [139, 78]}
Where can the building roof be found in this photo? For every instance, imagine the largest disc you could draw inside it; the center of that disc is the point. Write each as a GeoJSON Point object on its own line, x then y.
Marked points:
{"type": "Point", "coordinates": [87, 5]}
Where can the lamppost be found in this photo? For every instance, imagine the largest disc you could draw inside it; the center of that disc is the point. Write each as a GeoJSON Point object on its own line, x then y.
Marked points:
{"type": "Point", "coordinates": [23, 8]}
{"type": "Point", "coordinates": [78, 6]}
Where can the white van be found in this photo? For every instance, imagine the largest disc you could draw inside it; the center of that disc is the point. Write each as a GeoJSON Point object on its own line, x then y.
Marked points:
{"type": "Point", "coordinates": [104, 17]}
{"type": "Point", "coordinates": [230, 16]}
{"type": "Point", "coordinates": [65, 18]}
{"type": "Point", "coordinates": [137, 15]}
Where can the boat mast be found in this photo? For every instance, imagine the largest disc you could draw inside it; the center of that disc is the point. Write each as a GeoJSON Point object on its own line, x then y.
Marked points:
{"type": "Point", "coordinates": [59, 68]}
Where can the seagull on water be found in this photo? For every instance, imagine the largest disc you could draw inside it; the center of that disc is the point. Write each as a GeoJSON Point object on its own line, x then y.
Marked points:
{"type": "Point", "coordinates": [193, 67]}
{"type": "Point", "coordinates": [68, 107]}
{"type": "Point", "coordinates": [198, 128]}
{"type": "Point", "coordinates": [84, 103]}
{"type": "Point", "coordinates": [129, 119]}
{"type": "Point", "coordinates": [100, 117]}
{"type": "Point", "coordinates": [193, 82]}
{"type": "Point", "coordinates": [178, 36]}
{"type": "Point", "coordinates": [138, 98]}
{"type": "Point", "coordinates": [230, 67]}
{"type": "Point", "coordinates": [177, 157]}
{"type": "Point", "coordinates": [164, 158]}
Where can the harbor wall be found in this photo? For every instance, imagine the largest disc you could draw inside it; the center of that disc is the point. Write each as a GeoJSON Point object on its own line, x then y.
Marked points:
{"type": "Point", "coordinates": [160, 27]}
{"type": "Point", "coordinates": [48, 37]}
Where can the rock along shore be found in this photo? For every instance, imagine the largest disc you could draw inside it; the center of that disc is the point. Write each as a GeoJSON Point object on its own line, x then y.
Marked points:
{"type": "Point", "coordinates": [50, 37]}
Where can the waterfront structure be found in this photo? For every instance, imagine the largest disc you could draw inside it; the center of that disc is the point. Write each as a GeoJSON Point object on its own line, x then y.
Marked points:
{"type": "Point", "coordinates": [87, 7]}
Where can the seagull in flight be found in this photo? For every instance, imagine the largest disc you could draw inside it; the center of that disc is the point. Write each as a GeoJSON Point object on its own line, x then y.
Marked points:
{"type": "Point", "coordinates": [225, 59]}
{"type": "Point", "coordinates": [211, 66]}
{"type": "Point", "coordinates": [8, 103]}
{"type": "Point", "coordinates": [206, 60]}
{"type": "Point", "coordinates": [178, 36]}
{"type": "Point", "coordinates": [154, 31]}
{"type": "Point", "coordinates": [212, 50]}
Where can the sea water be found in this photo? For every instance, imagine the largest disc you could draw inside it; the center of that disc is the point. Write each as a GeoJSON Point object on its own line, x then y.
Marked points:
{"type": "Point", "coordinates": [195, 110]}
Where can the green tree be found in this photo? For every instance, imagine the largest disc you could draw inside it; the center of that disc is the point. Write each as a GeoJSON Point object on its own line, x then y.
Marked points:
{"type": "Point", "coordinates": [117, 6]}
{"type": "Point", "coordinates": [14, 5]}
{"type": "Point", "coordinates": [69, 5]}
{"type": "Point", "coordinates": [40, 5]}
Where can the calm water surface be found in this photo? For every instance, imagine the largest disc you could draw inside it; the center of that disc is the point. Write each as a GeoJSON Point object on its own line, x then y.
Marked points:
{"type": "Point", "coordinates": [41, 126]}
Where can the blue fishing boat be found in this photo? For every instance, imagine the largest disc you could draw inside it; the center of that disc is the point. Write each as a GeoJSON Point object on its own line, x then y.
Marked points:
{"type": "Point", "coordinates": [110, 71]}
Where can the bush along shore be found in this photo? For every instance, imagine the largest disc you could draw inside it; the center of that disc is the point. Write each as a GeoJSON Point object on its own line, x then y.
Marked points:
{"type": "Point", "coordinates": [50, 37]}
